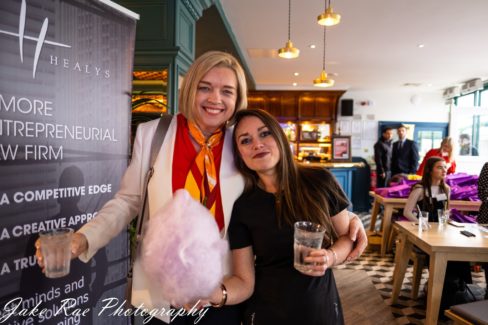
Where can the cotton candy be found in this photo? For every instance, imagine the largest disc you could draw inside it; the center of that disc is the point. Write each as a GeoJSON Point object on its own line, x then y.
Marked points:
{"type": "Point", "coordinates": [182, 251]}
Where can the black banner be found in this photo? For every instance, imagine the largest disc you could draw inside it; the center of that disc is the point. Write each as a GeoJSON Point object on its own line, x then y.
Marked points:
{"type": "Point", "coordinates": [65, 87]}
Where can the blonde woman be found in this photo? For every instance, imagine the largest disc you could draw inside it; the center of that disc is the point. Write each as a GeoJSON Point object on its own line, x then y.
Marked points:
{"type": "Point", "coordinates": [446, 151]}
{"type": "Point", "coordinates": [213, 91]}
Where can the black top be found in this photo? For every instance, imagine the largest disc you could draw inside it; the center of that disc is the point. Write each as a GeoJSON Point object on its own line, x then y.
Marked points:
{"type": "Point", "coordinates": [483, 194]}
{"type": "Point", "coordinates": [282, 295]}
{"type": "Point", "coordinates": [382, 155]}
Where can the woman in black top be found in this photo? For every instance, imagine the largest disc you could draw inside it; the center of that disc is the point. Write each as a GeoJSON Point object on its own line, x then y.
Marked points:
{"type": "Point", "coordinates": [483, 194]}
{"type": "Point", "coordinates": [431, 193]}
{"type": "Point", "coordinates": [483, 214]}
{"type": "Point", "coordinates": [278, 193]}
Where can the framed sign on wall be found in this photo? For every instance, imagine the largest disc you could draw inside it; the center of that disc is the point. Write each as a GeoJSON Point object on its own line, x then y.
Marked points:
{"type": "Point", "coordinates": [341, 148]}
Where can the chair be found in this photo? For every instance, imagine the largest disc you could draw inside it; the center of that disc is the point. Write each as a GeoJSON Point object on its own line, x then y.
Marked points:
{"type": "Point", "coordinates": [419, 261]}
{"type": "Point", "coordinates": [470, 313]}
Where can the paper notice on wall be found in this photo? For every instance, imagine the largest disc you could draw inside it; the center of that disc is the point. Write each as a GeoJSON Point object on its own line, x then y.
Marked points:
{"type": "Point", "coordinates": [370, 130]}
{"type": "Point", "coordinates": [356, 127]}
{"type": "Point", "coordinates": [356, 143]}
{"type": "Point", "coordinates": [344, 127]}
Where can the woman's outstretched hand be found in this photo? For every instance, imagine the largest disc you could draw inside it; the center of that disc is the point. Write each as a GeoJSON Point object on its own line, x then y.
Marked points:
{"type": "Point", "coordinates": [79, 244]}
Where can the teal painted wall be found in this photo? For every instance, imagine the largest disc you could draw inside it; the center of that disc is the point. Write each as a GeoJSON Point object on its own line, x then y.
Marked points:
{"type": "Point", "coordinates": [165, 38]}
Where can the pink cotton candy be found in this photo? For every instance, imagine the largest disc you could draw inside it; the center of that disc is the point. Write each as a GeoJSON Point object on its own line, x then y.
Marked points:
{"type": "Point", "coordinates": [182, 252]}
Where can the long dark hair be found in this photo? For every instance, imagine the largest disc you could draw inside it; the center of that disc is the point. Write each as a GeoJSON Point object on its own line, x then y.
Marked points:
{"type": "Point", "coordinates": [426, 181]}
{"type": "Point", "coordinates": [302, 195]}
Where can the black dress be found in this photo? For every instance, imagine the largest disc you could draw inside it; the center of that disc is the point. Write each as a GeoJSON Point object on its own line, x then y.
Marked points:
{"type": "Point", "coordinates": [282, 295]}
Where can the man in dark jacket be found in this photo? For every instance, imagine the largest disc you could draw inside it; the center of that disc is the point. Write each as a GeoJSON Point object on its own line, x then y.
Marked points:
{"type": "Point", "coordinates": [405, 154]}
{"type": "Point", "coordinates": [382, 157]}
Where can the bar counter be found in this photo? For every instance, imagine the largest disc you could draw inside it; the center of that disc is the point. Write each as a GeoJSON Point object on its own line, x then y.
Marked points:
{"type": "Point", "coordinates": [344, 174]}
{"type": "Point", "coordinates": [335, 164]}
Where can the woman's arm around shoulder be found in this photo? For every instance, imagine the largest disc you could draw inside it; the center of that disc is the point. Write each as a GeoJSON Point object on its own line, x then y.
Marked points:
{"type": "Point", "coordinates": [240, 285]}
{"type": "Point", "coordinates": [338, 252]}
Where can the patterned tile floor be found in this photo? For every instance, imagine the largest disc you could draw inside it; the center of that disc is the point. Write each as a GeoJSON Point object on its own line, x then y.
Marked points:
{"type": "Point", "coordinates": [406, 311]}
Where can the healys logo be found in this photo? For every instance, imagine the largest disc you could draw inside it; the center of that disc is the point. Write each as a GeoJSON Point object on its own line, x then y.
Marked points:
{"type": "Point", "coordinates": [40, 40]}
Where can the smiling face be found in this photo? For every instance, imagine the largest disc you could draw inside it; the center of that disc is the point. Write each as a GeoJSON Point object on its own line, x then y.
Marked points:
{"type": "Point", "coordinates": [215, 100]}
{"type": "Point", "coordinates": [256, 145]}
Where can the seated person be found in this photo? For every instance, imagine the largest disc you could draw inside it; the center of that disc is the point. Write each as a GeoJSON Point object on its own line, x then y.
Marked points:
{"type": "Point", "coordinates": [483, 214]}
{"type": "Point", "coordinates": [432, 194]}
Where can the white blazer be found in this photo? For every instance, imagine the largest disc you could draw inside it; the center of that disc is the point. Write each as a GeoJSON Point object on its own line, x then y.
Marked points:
{"type": "Point", "coordinates": [118, 212]}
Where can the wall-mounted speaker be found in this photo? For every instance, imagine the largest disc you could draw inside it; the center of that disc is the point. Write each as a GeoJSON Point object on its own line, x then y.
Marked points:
{"type": "Point", "coordinates": [347, 107]}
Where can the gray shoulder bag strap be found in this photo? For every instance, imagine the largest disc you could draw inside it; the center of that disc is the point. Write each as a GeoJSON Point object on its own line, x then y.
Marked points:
{"type": "Point", "coordinates": [156, 143]}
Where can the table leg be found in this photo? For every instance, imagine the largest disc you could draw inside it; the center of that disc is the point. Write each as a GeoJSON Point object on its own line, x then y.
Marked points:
{"type": "Point", "coordinates": [401, 263]}
{"type": "Point", "coordinates": [437, 272]}
{"type": "Point", "coordinates": [386, 228]}
{"type": "Point", "coordinates": [374, 214]}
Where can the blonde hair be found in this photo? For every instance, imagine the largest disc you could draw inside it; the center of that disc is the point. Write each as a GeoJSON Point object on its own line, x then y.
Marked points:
{"type": "Point", "coordinates": [448, 141]}
{"type": "Point", "coordinates": [196, 72]}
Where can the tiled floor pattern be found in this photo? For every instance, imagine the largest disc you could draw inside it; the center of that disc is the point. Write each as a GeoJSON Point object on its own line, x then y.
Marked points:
{"type": "Point", "coordinates": [406, 311]}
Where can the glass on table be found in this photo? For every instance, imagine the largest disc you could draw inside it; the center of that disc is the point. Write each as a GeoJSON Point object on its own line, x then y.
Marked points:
{"type": "Point", "coordinates": [423, 220]}
{"type": "Point", "coordinates": [443, 215]}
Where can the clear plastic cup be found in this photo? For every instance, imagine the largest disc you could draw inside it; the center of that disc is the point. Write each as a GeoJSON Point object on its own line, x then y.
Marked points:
{"type": "Point", "coordinates": [423, 221]}
{"type": "Point", "coordinates": [308, 236]}
{"type": "Point", "coordinates": [56, 251]}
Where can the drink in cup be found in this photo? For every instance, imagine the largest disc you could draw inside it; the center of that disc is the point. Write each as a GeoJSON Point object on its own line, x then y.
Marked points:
{"type": "Point", "coordinates": [443, 216]}
{"type": "Point", "coordinates": [308, 236]}
{"type": "Point", "coordinates": [56, 251]}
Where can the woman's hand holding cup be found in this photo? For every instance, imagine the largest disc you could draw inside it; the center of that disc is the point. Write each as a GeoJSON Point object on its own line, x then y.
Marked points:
{"type": "Point", "coordinates": [79, 245]}
{"type": "Point", "coordinates": [319, 261]}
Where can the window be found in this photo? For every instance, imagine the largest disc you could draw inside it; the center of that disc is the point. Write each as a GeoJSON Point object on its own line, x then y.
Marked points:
{"type": "Point", "coordinates": [484, 98]}
{"type": "Point", "coordinates": [428, 139]}
{"type": "Point", "coordinates": [470, 127]}
{"type": "Point", "coordinates": [465, 101]}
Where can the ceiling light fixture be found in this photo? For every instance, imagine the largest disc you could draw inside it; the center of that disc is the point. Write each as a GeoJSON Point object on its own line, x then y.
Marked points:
{"type": "Point", "coordinates": [328, 17]}
{"type": "Point", "coordinates": [289, 52]}
{"type": "Point", "coordinates": [323, 81]}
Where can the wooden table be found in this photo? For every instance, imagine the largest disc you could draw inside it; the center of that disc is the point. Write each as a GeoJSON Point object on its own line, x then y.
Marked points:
{"type": "Point", "coordinates": [442, 243]}
{"type": "Point", "coordinates": [393, 203]}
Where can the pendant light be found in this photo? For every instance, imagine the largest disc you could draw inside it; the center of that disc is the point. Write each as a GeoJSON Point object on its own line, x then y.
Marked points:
{"type": "Point", "coordinates": [289, 52]}
{"type": "Point", "coordinates": [323, 81]}
{"type": "Point", "coordinates": [328, 17]}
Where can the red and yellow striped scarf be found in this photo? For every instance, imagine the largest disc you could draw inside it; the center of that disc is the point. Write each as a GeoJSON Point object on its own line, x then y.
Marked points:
{"type": "Point", "coordinates": [197, 172]}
